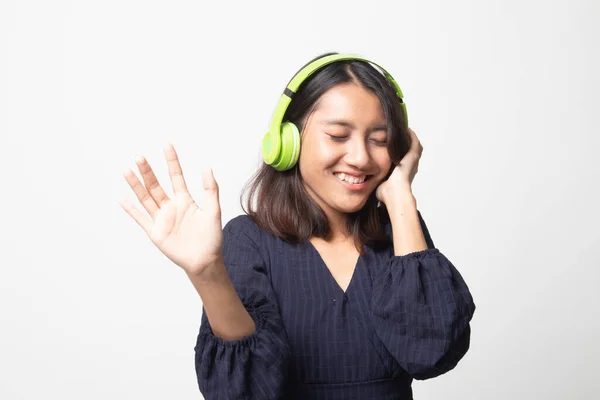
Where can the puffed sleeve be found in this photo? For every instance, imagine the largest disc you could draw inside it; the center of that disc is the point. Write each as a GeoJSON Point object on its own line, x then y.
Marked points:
{"type": "Point", "coordinates": [422, 308]}
{"type": "Point", "coordinates": [255, 366]}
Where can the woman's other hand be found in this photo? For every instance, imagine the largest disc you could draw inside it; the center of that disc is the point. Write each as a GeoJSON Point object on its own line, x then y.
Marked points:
{"type": "Point", "coordinates": [191, 237]}
{"type": "Point", "coordinates": [397, 188]}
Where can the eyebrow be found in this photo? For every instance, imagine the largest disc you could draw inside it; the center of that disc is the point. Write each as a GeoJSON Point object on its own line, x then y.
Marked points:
{"type": "Point", "coordinates": [346, 124]}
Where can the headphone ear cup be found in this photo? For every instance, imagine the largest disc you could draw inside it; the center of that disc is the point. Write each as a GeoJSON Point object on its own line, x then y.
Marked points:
{"type": "Point", "coordinates": [290, 147]}
{"type": "Point", "coordinates": [270, 149]}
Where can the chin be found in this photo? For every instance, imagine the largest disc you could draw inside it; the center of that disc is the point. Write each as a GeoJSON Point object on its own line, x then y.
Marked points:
{"type": "Point", "coordinates": [350, 207]}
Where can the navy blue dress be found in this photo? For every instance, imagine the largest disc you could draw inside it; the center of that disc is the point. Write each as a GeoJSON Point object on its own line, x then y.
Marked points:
{"type": "Point", "coordinates": [401, 318]}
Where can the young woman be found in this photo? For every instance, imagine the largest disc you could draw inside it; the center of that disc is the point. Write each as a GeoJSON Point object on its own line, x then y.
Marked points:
{"type": "Point", "coordinates": [330, 286]}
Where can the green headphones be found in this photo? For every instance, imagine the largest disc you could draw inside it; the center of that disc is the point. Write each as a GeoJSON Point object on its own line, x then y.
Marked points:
{"type": "Point", "coordinates": [281, 144]}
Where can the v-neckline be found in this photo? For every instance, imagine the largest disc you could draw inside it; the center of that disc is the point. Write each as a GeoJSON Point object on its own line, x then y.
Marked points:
{"type": "Point", "coordinates": [330, 276]}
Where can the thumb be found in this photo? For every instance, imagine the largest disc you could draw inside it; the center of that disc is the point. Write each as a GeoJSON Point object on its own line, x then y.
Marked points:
{"type": "Point", "coordinates": [211, 191]}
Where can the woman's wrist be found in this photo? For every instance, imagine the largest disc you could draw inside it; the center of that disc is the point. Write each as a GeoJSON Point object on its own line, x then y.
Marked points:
{"type": "Point", "coordinates": [213, 273]}
{"type": "Point", "coordinates": [402, 204]}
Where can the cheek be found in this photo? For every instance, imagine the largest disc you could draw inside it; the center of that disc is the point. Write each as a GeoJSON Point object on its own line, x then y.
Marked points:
{"type": "Point", "coordinates": [318, 152]}
{"type": "Point", "coordinates": [380, 155]}
{"type": "Point", "coordinates": [384, 162]}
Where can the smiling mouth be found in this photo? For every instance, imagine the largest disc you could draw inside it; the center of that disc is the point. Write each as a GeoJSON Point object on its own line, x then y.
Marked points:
{"type": "Point", "coordinates": [351, 179]}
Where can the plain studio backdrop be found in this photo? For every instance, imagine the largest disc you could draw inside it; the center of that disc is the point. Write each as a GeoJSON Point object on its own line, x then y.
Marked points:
{"type": "Point", "coordinates": [502, 94]}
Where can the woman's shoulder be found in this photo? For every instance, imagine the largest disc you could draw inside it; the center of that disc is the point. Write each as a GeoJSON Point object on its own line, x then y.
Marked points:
{"type": "Point", "coordinates": [242, 221]}
{"type": "Point", "coordinates": [245, 240]}
{"type": "Point", "coordinates": [244, 227]}
{"type": "Point", "coordinates": [242, 224]}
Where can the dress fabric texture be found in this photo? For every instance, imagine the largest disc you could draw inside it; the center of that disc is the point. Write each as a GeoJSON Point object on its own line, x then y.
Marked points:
{"type": "Point", "coordinates": [401, 318]}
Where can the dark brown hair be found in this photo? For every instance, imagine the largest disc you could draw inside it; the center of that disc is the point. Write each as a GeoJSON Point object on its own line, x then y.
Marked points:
{"type": "Point", "coordinates": [279, 203]}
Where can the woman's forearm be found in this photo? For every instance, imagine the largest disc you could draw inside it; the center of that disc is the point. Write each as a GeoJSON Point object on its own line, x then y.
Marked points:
{"type": "Point", "coordinates": [226, 314]}
{"type": "Point", "coordinates": [406, 227]}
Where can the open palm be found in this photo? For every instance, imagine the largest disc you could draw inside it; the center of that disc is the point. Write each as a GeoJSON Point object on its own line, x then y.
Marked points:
{"type": "Point", "coordinates": [191, 237]}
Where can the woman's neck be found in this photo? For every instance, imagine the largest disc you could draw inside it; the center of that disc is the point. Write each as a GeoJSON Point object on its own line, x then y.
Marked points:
{"type": "Point", "coordinates": [338, 225]}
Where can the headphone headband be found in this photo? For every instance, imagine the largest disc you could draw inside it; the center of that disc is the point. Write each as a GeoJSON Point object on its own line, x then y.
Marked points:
{"type": "Point", "coordinates": [321, 62]}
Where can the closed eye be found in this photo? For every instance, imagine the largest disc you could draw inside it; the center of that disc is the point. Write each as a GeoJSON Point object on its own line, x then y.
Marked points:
{"type": "Point", "coordinates": [379, 142]}
{"type": "Point", "coordinates": [340, 138]}
{"type": "Point", "coordinates": [336, 138]}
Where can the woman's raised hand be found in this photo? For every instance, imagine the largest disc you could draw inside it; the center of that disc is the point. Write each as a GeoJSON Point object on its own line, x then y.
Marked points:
{"type": "Point", "coordinates": [191, 237]}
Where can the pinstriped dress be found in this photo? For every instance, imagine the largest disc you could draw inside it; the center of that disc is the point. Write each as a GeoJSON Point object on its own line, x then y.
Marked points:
{"type": "Point", "coordinates": [401, 318]}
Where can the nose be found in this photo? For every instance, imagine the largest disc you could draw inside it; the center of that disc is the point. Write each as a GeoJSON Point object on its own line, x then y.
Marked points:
{"type": "Point", "coordinates": [357, 153]}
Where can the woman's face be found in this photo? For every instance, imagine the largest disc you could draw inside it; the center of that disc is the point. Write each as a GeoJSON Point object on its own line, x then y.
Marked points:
{"type": "Point", "coordinates": [343, 142]}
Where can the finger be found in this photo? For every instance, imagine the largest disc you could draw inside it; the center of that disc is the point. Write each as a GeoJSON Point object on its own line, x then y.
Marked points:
{"type": "Point", "coordinates": [175, 171]}
{"type": "Point", "coordinates": [150, 181]}
{"type": "Point", "coordinates": [211, 191]}
{"type": "Point", "coordinates": [138, 216]}
{"type": "Point", "coordinates": [141, 193]}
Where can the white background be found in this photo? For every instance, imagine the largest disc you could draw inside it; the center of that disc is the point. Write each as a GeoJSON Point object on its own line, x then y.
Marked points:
{"type": "Point", "coordinates": [502, 94]}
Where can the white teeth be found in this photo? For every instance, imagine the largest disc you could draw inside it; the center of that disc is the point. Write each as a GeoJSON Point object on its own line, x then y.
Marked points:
{"type": "Point", "coordinates": [350, 179]}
